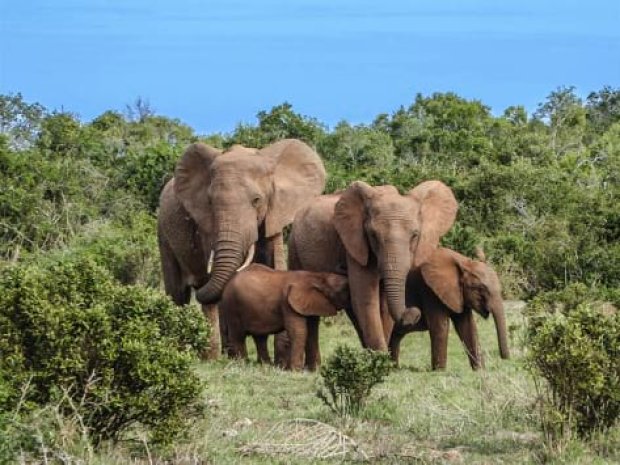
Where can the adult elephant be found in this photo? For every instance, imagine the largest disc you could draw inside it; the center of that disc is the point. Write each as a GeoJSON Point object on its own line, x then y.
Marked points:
{"type": "Point", "coordinates": [374, 235]}
{"type": "Point", "coordinates": [448, 286]}
{"type": "Point", "coordinates": [224, 206]}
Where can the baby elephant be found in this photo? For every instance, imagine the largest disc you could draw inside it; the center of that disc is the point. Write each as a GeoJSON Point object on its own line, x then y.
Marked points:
{"type": "Point", "coordinates": [449, 286]}
{"type": "Point", "coordinates": [260, 301]}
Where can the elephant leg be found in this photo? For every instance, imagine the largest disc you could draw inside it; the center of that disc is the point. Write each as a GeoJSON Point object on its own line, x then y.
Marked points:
{"type": "Point", "coordinates": [223, 330]}
{"type": "Point", "coordinates": [365, 300]}
{"type": "Point", "coordinates": [281, 343]}
{"type": "Point", "coordinates": [212, 315]}
{"type": "Point", "coordinates": [236, 346]}
{"type": "Point", "coordinates": [281, 349]}
{"type": "Point", "coordinates": [313, 353]}
{"type": "Point", "coordinates": [174, 284]}
{"type": "Point", "coordinates": [261, 349]}
{"type": "Point", "coordinates": [356, 325]}
{"type": "Point", "coordinates": [438, 323]}
{"type": "Point", "coordinates": [296, 326]}
{"type": "Point", "coordinates": [465, 326]}
{"type": "Point", "coordinates": [270, 251]}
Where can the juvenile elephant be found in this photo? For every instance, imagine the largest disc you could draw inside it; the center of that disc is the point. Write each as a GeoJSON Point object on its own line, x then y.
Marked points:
{"type": "Point", "coordinates": [220, 207]}
{"type": "Point", "coordinates": [448, 286]}
{"type": "Point", "coordinates": [374, 235]}
{"type": "Point", "coordinates": [260, 301]}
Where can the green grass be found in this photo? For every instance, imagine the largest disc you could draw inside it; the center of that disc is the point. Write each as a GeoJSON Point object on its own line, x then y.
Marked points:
{"type": "Point", "coordinates": [416, 416]}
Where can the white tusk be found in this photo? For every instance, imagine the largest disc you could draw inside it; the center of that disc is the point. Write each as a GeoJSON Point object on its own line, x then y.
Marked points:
{"type": "Point", "coordinates": [248, 259]}
{"type": "Point", "coordinates": [210, 263]}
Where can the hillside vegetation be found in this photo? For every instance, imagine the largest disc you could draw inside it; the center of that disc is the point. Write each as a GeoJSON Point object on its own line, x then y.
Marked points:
{"type": "Point", "coordinates": [539, 192]}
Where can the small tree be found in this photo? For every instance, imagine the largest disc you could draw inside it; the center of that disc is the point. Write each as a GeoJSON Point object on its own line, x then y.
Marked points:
{"type": "Point", "coordinates": [349, 376]}
{"type": "Point", "coordinates": [575, 346]}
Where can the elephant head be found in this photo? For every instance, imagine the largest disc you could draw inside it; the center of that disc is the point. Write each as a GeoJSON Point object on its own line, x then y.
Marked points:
{"type": "Point", "coordinates": [231, 195]}
{"type": "Point", "coordinates": [322, 294]}
{"type": "Point", "coordinates": [392, 232]}
{"type": "Point", "coordinates": [465, 284]}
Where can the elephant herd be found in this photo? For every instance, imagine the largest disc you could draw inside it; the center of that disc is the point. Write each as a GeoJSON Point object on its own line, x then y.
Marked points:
{"type": "Point", "coordinates": [368, 250]}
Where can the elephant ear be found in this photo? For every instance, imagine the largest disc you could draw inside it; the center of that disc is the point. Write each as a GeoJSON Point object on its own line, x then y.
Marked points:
{"type": "Point", "coordinates": [307, 300]}
{"type": "Point", "coordinates": [299, 176]}
{"type": "Point", "coordinates": [438, 208]}
{"type": "Point", "coordinates": [349, 215]}
{"type": "Point", "coordinates": [192, 177]}
{"type": "Point", "coordinates": [442, 273]}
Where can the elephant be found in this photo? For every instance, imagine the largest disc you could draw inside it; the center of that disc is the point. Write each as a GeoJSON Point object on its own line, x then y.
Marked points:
{"type": "Point", "coordinates": [259, 301]}
{"type": "Point", "coordinates": [450, 286]}
{"type": "Point", "coordinates": [374, 235]}
{"type": "Point", "coordinates": [222, 208]}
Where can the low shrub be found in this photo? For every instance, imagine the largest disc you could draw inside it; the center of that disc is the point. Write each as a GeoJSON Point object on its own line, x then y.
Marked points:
{"type": "Point", "coordinates": [348, 377]}
{"type": "Point", "coordinates": [120, 355]}
{"type": "Point", "coordinates": [574, 340]}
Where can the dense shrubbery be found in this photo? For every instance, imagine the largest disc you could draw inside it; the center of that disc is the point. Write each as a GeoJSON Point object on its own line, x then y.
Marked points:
{"type": "Point", "coordinates": [539, 192]}
{"type": "Point", "coordinates": [121, 354]}
{"type": "Point", "coordinates": [574, 338]}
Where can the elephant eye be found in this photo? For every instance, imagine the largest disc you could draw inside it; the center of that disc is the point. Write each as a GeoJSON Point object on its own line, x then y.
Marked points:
{"type": "Point", "coordinates": [481, 288]}
{"type": "Point", "coordinates": [256, 201]}
{"type": "Point", "coordinates": [372, 235]}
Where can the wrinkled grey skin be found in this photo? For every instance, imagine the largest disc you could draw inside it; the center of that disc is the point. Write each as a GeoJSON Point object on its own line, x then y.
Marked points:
{"type": "Point", "coordinates": [374, 235]}
{"type": "Point", "coordinates": [224, 203]}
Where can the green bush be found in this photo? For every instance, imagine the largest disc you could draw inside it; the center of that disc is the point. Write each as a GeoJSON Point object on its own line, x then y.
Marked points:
{"type": "Point", "coordinates": [461, 238]}
{"type": "Point", "coordinates": [121, 354]}
{"type": "Point", "coordinates": [128, 249]}
{"type": "Point", "coordinates": [574, 340]}
{"type": "Point", "coordinates": [348, 377]}
{"type": "Point", "coordinates": [145, 171]}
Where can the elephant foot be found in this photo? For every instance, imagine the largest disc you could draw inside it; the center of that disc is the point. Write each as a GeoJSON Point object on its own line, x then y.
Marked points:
{"type": "Point", "coordinates": [409, 319]}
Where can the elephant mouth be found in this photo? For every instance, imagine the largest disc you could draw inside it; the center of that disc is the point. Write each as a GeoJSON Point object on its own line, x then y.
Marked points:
{"type": "Point", "coordinates": [248, 259]}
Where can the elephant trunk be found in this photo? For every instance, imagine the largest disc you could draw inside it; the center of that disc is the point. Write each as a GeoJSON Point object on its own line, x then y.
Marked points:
{"type": "Point", "coordinates": [228, 256]}
{"type": "Point", "coordinates": [499, 316]}
{"type": "Point", "coordinates": [394, 272]}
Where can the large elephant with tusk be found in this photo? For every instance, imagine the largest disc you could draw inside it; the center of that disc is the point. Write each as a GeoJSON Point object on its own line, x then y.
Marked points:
{"type": "Point", "coordinates": [224, 210]}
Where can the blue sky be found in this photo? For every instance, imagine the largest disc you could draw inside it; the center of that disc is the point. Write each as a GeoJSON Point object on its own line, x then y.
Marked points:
{"type": "Point", "coordinates": [216, 63]}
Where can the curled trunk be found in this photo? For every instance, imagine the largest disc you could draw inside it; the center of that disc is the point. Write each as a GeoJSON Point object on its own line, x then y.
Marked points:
{"type": "Point", "coordinates": [228, 257]}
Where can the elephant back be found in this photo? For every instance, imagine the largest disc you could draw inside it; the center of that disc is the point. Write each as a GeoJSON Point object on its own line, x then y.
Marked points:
{"type": "Point", "coordinates": [314, 240]}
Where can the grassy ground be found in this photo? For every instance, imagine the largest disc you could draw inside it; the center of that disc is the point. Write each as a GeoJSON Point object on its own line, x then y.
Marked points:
{"type": "Point", "coordinates": [416, 416]}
